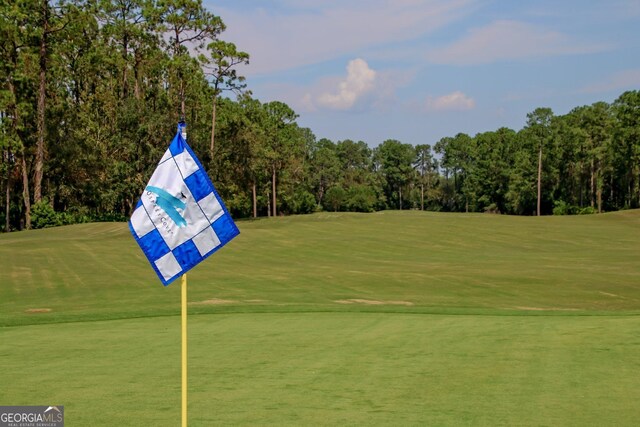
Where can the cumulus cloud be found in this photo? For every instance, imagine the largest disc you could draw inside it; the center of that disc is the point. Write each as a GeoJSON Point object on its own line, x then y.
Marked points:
{"type": "Point", "coordinates": [456, 101]}
{"type": "Point", "coordinates": [361, 88]}
{"type": "Point", "coordinates": [359, 81]}
{"type": "Point", "coordinates": [508, 40]}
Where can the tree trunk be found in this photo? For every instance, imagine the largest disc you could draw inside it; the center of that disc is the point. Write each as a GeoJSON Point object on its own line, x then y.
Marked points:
{"type": "Point", "coordinates": [611, 193]}
{"type": "Point", "coordinates": [254, 200]}
{"type": "Point", "coordinates": [421, 197]}
{"type": "Point", "coordinates": [25, 194]}
{"type": "Point", "coordinates": [213, 125]}
{"type": "Point", "coordinates": [539, 179]}
{"type": "Point", "coordinates": [125, 49]}
{"type": "Point", "coordinates": [8, 205]}
{"type": "Point", "coordinates": [13, 108]}
{"type": "Point", "coordinates": [320, 193]}
{"type": "Point", "coordinates": [593, 183]}
{"type": "Point", "coordinates": [136, 77]}
{"type": "Point", "coordinates": [273, 191]}
{"type": "Point", "coordinates": [268, 205]}
{"type": "Point", "coordinates": [638, 190]}
{"type": "Point", "coordinates": [39, 161]}
{"type": "Point", "coordinates": [400, 194]}
{"type": "Point", "coordinates": [182, 105]}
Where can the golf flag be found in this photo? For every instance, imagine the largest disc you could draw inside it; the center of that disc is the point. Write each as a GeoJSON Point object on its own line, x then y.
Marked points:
{"type": "Point", "coordinates": [180, 219]}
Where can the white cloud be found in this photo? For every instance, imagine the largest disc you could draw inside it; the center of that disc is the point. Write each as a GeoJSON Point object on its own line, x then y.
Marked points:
{"type": "Point", "coordinates": [508, 40]}
{"type": "Point", "coordinates": [361, 89]}
{"type": "Point", "coordinates": [359, 81]}
{"type": "Point", "coordinates": [298, 34]}
{"type": "Point", "coordinates": [456, 101]}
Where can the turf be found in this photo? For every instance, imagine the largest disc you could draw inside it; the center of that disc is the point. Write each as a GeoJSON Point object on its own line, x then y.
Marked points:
{"type": "Point", "coordinates": [394, 318]}
{"type": "Point", "coordinates": [331, 369]}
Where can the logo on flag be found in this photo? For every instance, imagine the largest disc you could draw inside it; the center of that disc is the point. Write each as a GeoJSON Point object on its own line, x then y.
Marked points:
{"type": "Point", "coordinates": [180, 219]}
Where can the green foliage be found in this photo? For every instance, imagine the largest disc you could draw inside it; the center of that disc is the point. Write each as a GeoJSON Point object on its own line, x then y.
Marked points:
{"type": "Point", "coordinates": [334, 199]}
{"type": "Point", "coordinates": [394, 160]}
{"type": "Point", "coordinates": [43, 215]}
{"type": "Point", "coordinates": [561, 207]}
{"type": "Point", "coordinates": [239, 204]}
{"type": "Point", "coordinates": [589, 210]}
{"type": "Point", "coordinates": [301, 202]}
{"type": "Point", "coordinates": [492, 209]}
{"type": "Point", "coordinates": [360, 198]}
{"type": "Point", "coordinates": [119, 75]}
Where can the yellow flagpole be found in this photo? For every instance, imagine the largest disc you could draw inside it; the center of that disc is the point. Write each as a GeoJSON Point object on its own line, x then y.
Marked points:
{"type": "Point", "coordinates": [184, 350]}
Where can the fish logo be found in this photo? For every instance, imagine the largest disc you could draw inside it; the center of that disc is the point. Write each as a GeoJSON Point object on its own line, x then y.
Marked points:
{"type": "Point", "coordinates": [170, 204]}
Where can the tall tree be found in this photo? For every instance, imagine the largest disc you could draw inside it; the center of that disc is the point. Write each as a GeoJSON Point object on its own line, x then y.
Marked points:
{"type": "Point", "coordinates": [325, 168]}
{"type": "Point", "coordinates": [280, 118]}
{"type": "Point", "coordinates": [51, 18]}
{"type": "Point", "coordinates": [593, 125]}
{"type": "Point", "coordinates": [458, 154]}
{"type": "Point", "coordinates": [16, 28]}
{"type": "Point", "coordinates": [125, 24]}
{"type": "Point", "coordinates": [395, 163]}
{"type": "Point", "coordinates": [539, 122]}
{"type": "Point", "coordinates": [425, 165]}
{"type": "Point", "coordinates": [626, 110]}
{"type": "Point", "coordinates": [219, 64]}
{"type": "Point", "coordinates": [493, 166]}
{"type": "Point", "coordinates": [188, 24]}
{"type": "Point", "coordinates": [355, 161]}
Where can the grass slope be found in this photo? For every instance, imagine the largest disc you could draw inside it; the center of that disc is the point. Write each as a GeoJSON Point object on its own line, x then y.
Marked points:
{"type": "Point", "coordinates": [513, 321]}
{"type": "Point", "coordinates": [424, 262]}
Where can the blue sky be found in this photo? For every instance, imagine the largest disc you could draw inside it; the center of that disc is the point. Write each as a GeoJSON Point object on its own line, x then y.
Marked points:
{"type": "Point", "coordinates": [418, 71]}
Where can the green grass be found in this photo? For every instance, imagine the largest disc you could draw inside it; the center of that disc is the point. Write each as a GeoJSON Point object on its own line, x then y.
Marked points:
{"type": "Point", "coordinates": [331, 369]}
{"type": "Point", "coordinates": [394, 318]}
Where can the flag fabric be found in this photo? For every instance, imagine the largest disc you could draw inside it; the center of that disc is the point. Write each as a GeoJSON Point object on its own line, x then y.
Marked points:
{"type": "Point", "coordinates": [180, 219]}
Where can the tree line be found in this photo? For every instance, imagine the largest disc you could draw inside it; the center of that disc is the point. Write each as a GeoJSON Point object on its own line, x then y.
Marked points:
{"type": "Point", "coordinates": [91, 91]}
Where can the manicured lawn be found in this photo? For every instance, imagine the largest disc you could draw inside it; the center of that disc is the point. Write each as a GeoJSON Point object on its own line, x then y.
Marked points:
{"type": "Point", "coordinates": [394, 318]}
{"type": "Point", "coordinates": [331, 369]}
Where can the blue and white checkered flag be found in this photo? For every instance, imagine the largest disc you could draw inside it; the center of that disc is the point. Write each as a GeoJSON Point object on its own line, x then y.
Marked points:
{"type": "Point", "coordinates": [180, 219]}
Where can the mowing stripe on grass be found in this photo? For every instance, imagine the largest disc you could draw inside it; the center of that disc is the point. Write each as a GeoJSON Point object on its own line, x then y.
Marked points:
{"type": "Point", "coordinates": [331, 369]}
{"type": "Point", "coordinates": [436, 262]}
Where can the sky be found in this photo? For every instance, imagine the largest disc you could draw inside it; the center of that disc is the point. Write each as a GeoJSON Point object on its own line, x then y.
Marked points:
{"type": "Point", "coordinates": [418, 71]}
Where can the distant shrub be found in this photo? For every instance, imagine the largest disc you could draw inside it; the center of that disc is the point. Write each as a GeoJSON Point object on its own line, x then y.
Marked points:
{"type": "Point", "coordinates": [43, 215]}
{"type": "Point", "coordinates": [334, 198]}
{"type": "Point", "coordinates": [560, 207]}
{"type": "Point", "coordinates": [361, 198]}
{"type": "Point", "coordinates": [563, 208]}
{"type": "Point", "coordinates": [587, 211]}
{"type": "Point", "coordinates": [304, 202]}
{"type": "Point", "coordinates": [240, 205]}
{"type": "Point", "coordinates": [300, 202]}
{"type": "Point", "coordinates": [78, 215]}
{"type": "Point", "coordinates": [492, 209]}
